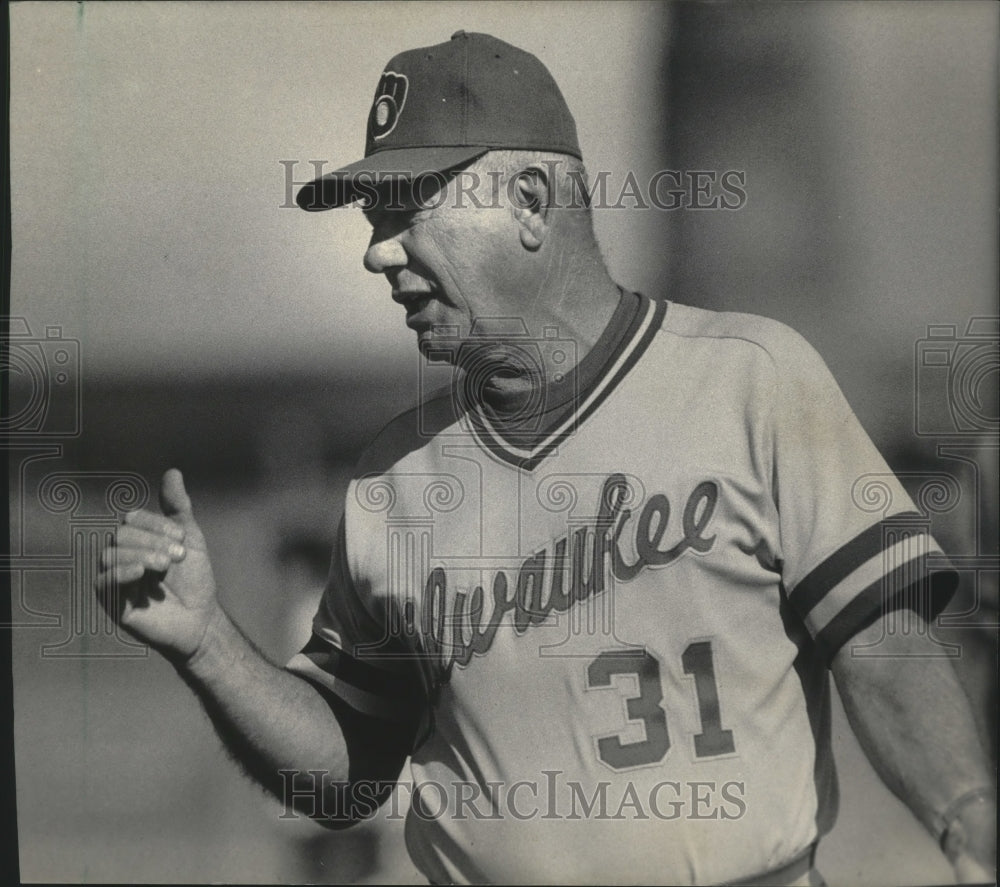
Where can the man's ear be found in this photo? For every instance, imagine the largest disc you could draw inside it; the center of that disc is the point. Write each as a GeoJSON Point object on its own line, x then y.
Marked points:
{"type": "Point", "coordinates": [531, 195]}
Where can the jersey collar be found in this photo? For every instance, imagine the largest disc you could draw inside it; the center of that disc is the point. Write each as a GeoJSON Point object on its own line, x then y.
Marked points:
{"type": "Point", "coordinates": [561, 408]}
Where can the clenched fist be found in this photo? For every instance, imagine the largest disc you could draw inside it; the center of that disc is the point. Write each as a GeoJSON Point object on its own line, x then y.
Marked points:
{"type": "Point", "coordinates": [156, 579]}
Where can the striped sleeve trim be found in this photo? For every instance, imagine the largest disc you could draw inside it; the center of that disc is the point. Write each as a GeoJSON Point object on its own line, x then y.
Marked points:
{"type": "Point", "coordinates": [912, 586]}
{"type": "Point", "coordinates": [369, 690]}
{"type": "Point", "coordinates": [839, 565]}
{"type": "Point", "coordinates": [885, 568]}
{"type": "Point", "coordinates": [876, 570]}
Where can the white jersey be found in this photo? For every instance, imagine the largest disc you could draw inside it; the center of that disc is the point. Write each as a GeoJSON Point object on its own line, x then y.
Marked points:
{"type": "Point", "coordinates": [616, 627]}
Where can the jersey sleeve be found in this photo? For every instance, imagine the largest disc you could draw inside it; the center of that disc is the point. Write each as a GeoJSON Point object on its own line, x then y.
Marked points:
{"type": "Point", "coordinates": [354, 653]}
{"type": "Point", "coordinates": [853, 546]}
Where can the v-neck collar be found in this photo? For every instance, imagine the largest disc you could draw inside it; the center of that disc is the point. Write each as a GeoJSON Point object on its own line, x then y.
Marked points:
{"type": "Point", "coordinates": [525, 437]}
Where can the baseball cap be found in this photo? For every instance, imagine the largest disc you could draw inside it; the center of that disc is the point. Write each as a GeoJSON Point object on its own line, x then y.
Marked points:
{"type": "Point", "coordinates": [440, 107]}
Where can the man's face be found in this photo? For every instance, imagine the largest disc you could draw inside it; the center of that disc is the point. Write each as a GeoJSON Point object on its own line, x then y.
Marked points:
{"type": "Point", "coordinates": [453, 267]}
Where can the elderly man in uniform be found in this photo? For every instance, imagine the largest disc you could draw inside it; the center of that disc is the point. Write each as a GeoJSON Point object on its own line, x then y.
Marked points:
{"type": "Point", "coordinates": [594, 589]}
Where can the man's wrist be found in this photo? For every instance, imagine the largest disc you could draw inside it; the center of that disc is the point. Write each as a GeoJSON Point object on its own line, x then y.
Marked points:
{"type": "Point", "coordinates": [966, 828]}
{"type": "Point", "coordinates": [212, 639]}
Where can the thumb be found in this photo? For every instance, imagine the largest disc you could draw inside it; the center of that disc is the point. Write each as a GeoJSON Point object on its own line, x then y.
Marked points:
{"type": "Point", "coordinates": [174, 501]}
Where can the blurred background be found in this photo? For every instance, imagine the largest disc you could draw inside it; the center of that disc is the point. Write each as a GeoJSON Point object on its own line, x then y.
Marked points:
{"type": "Point", "coordinates": [171, 308]}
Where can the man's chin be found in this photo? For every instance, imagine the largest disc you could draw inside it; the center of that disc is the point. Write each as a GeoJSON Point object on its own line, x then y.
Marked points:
{"type": "Point", "coordinates": [438, 350]}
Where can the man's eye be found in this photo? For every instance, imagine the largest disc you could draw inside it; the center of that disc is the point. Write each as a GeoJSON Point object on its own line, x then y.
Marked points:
{"type": "Point", "coordinates": [392, 221]}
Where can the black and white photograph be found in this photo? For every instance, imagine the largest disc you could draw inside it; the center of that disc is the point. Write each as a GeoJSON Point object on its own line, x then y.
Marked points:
{"type": "Point", "coordinates": [503, 442]}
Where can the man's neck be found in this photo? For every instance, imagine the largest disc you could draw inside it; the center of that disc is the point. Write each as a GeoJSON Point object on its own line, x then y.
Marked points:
{"type": "Point", "coordinates": [575, 311]}
{"type": "Point", "coordinates": [511, 375]}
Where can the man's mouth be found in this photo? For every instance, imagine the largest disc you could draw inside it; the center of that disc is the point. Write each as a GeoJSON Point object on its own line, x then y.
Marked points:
{"type": "Point", "coordinates": [406, 297]}
{"type": "Point", "coordinates": [415, 304]}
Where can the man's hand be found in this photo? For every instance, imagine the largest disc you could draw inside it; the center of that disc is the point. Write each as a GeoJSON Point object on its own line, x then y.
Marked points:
{"type": "Point", "coordinates": [156, 579]}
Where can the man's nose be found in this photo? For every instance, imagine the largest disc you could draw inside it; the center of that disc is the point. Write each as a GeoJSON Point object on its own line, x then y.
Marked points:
{"type": "Point", "coordinates": [384, 253]}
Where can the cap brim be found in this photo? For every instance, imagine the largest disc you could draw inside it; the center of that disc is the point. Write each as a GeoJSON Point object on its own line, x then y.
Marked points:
{"type": "Point", "coordinates": [340, 187]}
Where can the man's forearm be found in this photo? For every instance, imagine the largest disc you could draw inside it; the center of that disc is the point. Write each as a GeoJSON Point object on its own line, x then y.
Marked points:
{"type": "Point", "coordinates": [156, 581]}
{"type": "Point", "coordinates": [270, 719]}
{"type": "Point", "coordinates": [914, 722]}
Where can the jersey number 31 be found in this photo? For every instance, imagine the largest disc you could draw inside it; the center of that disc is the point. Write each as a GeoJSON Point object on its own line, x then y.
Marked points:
{"type": "Point", "coordinates": [697, 662]}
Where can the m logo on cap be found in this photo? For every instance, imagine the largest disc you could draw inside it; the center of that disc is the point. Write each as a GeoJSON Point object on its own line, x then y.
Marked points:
{"type": "Point", "coordinates": [390, 96]}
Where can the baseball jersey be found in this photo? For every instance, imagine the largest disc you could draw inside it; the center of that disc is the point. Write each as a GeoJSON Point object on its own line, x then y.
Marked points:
{"type": "Point", "coordinates": [613, 613]}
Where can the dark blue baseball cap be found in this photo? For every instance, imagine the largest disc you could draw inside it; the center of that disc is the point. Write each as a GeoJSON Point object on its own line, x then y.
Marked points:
{"type": "Point", "coordinates": [440, 107]}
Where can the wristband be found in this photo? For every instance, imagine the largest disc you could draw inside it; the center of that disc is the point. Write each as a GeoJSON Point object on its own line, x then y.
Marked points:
{"type": "Point", "coordinates": [944, 821]}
